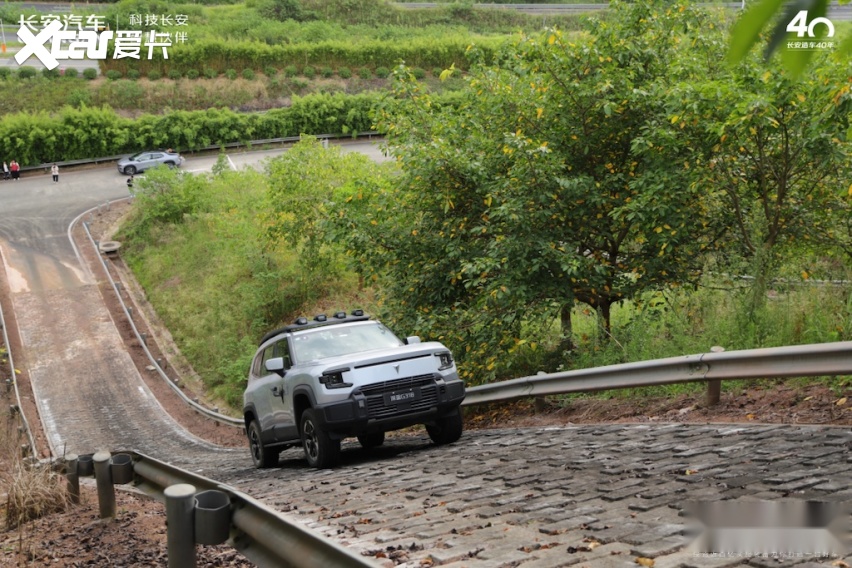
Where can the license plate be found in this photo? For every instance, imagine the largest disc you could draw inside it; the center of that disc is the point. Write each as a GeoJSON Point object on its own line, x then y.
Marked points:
{"type": "Point", "coordinates": [402, 397]}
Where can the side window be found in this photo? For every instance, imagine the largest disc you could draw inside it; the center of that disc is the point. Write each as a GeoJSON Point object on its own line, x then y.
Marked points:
{"type": "Point", "coordinates": [282, 350]}
{"type": "Point", "coordinates": [268, 354]}
{"type": "Point", "coordinates": [278, 349]}
{"type": "Point", "coordinates": [256, 366]}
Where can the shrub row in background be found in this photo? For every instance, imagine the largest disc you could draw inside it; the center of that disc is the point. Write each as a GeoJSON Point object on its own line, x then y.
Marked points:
{"type": "Point", "coordinates": [307, 71]}
{"type": "Point", "coordinates": [74, 134]}
{"type": "Point", "coordinates": [220, 56]}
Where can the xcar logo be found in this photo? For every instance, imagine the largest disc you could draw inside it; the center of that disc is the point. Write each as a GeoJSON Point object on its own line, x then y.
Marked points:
{"type": "Point", "coordinates": [89, 44]}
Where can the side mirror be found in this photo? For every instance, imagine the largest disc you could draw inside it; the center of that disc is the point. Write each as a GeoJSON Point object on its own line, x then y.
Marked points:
{"type": "Point", "coordinates": [275, 365]}
{"type": "Point", "coordinates": [412, 340]}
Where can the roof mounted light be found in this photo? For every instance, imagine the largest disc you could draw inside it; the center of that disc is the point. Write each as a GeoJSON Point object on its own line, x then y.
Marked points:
{"type": "Point", "coordinates": [340, 315]}
{"type": "Point", "coordinates": [302, 321]}
{"type": "Point", "coordinates": [320, 317]}
{"type": "Point", "coordinates": [357, 313]}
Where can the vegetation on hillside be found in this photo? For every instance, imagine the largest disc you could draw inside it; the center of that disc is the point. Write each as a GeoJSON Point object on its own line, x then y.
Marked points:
{"type": "Point", "coordinates": [585, 201]}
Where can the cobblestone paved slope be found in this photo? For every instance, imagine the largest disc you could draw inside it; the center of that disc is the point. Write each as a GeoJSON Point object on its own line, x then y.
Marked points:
{"type": "Point", "coordinates": [545, 497]}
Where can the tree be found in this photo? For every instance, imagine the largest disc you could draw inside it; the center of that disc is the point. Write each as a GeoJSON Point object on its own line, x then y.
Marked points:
{"type": "Point", "coordinates": [545, 184]}
{"type": "Point", "coordinates": [777, 156]}
{"type": "Point", "coordinates": [305, 184]}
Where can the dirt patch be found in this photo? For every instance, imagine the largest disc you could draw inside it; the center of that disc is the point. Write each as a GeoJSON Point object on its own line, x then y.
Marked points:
{"type": "Point", "coordinates": [136, 537]}
{"type": "Point", "coordinates": [766, 402]}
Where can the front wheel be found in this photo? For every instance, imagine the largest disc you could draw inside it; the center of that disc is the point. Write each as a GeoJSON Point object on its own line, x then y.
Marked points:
{"type": "Point", "coordinates": [446, 429]}
{"type": "Point", "coordinates": [130, 170]}
{"type": "Point", "coordinates": [262, 456]}
{"type": "Point", "coordinates": [320, 450]}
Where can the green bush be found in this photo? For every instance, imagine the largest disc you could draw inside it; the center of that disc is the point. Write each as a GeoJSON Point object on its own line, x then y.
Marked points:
{"type": "Point", "coordinates": [248, 74]}
{"type": "Point", "coordinates": [5, 72]}
{"type": "Point", "coordinates": [175, 74]}
{"type": "Point", "coordinates": [154, 75]}
{"type": "Point", "coordinates": [382, 72]}
{"type": "Point", "coordinates": [210, 73]}
{"type": "Point", "coordinates": [231, 74]}
{"type": "Point", "coordinates": [133, 74]}
{"type": "Point", "coordinates": [344, 73]}
{"type": "Point", "coordinates": [270, 72]}
{"type": "Point", "coordinates": [113, 75]}
{"type": "Point", "coordinates": [291, 71]}
{"type": "Point", "coordinates": [90, 74]}
{"type": "Point", "coordinates": [309, 72]}
{"type": "Point", "coordinates": [436, 72]}
{"type": "Point", "coordinates": [365, 73]}
{"type": "Point", "coordinates": [79, 98]}
{"type": "Point", "coordinates": [326, 72]}
{"type": "Point", "coordinates": [99, 131]}
{"type": "Point", "coordinates": [299, 84]}
{"type": "Point", "coordinates": [50, 73]}
{"type": "Point", "coordinates": [71, 73]}
{"type": "Point", "coordinates": [192, 74]}
{"type": "Point", "coordinates": [27, 72]}
{"type": "Point", "coordinates": [418, 73]}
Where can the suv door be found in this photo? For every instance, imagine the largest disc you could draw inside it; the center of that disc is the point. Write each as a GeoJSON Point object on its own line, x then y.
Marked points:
{"type": "Point", "coordinates": [279, 405]}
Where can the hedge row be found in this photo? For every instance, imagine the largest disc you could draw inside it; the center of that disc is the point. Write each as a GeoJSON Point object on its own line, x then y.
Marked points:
{"type": "Point", "coordinates": [220, 56]}
{"type": "Point", "coordinates": [73, 134]}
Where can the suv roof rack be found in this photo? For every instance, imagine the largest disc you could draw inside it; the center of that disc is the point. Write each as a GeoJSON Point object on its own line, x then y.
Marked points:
{"type": "Point", "coordinates": [319, 320]}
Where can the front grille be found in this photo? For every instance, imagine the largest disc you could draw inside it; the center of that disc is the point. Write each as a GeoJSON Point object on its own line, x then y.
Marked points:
{"type": "Point", "coordinates": [375, 393]}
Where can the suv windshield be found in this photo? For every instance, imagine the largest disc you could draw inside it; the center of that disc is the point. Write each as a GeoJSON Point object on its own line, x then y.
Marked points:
{"type": "Point", "coordinates": [334, 341]}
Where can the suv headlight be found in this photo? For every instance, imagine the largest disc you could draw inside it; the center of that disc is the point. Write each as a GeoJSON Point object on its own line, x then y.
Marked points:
{"type": "Point", "coordinates": [445, 360]}
{"type": "Point", "coordinates": [334, 379]}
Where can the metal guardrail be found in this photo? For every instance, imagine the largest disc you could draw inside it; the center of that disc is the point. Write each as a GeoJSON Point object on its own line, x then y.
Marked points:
{"type": "Point", "coordinates": [814, 360]}
{"type": "Point", "coordinates": [259, 533]}
{"type": "Point", "coordinates": [142, 341]}
{"type": "Point", "coordinates": [13, 380]}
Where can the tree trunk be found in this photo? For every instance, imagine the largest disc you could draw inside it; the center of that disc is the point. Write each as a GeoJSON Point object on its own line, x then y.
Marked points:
{"type": "Point", "coordinates": [567, 343]}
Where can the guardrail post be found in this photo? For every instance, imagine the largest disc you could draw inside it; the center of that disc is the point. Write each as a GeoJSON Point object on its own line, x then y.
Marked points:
{"type": "Point", "coordinates": [714, 387]}
{"type": "Point", "coordinates": [180, 526]}
{"type": "Point", "coordinates": [212, 517]}
{"type": "Point", "coordinates": [106, 491]}
{"type": "Point", "coordinates": [72, 479]}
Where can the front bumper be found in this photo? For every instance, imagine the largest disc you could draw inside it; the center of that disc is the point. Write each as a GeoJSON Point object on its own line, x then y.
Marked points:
{"type": "Point", "coordinates": [387, 406]}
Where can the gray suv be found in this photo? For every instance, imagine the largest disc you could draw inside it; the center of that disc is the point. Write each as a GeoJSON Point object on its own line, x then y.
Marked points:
{"type": "Point", "coordinates": [316, 382]}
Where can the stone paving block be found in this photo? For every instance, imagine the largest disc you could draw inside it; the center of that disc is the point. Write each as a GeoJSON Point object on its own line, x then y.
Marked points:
{"type": "Point", "coordinates": [606, 534]}
{"type": "Point", "coordinates": [566, 525]}
{"type": "Point", "coordinates": [689, 559]}
{"type": "Point", "coordinates": [661, 547]}
{"type": "Point", "coordinates": [656, 534]}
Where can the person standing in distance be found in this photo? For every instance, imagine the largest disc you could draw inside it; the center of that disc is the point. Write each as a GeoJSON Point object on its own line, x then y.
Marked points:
{"type": "Point", "coordinates": [16, 170]}
{"type": "Point", "coordinates": [54, 170]}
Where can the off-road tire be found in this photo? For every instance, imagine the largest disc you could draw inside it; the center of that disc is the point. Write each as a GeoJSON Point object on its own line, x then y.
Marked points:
{"type": "Point", "coordinates": [446, 429]}
{"type": "Point", "coordinates": [130, 170]}
{"type": "Point", "coordinates": [320, 450]}
{"type": "Point", "coordinates": [262, 456]}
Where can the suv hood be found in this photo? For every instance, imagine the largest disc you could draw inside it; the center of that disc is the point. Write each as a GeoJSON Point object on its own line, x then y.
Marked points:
{"type": "Point", "coordinates": [366, 359]}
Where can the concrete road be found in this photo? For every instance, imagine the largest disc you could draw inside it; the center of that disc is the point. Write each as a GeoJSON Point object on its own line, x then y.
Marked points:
{"type": "Point", "coordinates": [90, 395]}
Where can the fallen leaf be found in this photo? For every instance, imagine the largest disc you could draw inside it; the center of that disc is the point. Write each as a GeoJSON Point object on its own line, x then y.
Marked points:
{"type": "Point", "coordinates": [840, 564]}
{"type": "Point", "coordinates": [807, 398]}
{"type": "Point", "coordinates": [750, 416]}
{"type": "Point", "coordinates": [841, 402]}
{"type": "Point", "coordinates": [691, 471]}
{"type": "Point", "coordinates": [646, 562]}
